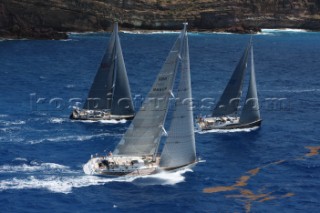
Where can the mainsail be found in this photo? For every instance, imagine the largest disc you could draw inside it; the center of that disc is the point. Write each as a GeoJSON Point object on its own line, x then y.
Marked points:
{"type": "Point", "coordinates": [250, 111]}
{"type": "Point", "coordinates": [179, 149]}
{"type": "Point", "coordinates": [229, 101]}
{"type": "Point", "coordinates": [144, 133]}
{"type": "Point", "coordinates": [110, 89]}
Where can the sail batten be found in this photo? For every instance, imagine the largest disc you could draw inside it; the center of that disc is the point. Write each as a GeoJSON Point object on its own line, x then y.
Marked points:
{"type": "Point", "coordinates": [230, 99]}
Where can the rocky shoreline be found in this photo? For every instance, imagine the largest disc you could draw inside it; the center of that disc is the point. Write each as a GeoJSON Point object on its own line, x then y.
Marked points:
{"type": "Point", "coordinates": [40, 34]}
{"type": "Point", "coordinates": [53, 19]}
{"type": "Point", "coordinates": [50, 34]}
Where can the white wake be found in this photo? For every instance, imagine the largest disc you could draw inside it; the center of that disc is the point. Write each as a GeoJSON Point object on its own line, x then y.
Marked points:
{"type": "Point", "coordinates": [72, 138]}
{"type": "Point", "coordinates": [61, 179]}
{"type": "Point", "coordinates": [103, 121]}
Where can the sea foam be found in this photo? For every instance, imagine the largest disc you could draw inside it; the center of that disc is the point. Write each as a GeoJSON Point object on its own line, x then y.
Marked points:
{"type": "Point", "coordinates": [11, 123]}
{"type": "Point", "coordinates": [283, 30]}
{"type": "Point", "coordinates": [273, 32]}
{"type": "Point", "coordinates": [57, 120]}
{"type": "Point", "coordinates": [65, 181]}
{"type": "Point", "coordinates": [71, 138]}
{"type": "Point", "coordinates": [32, 167]}
{"type": "Point", "coordinates": [146, 32]}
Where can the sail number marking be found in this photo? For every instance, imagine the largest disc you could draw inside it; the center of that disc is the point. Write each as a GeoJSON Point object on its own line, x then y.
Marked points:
{"type": "Point", "coordinates": [159, 89]}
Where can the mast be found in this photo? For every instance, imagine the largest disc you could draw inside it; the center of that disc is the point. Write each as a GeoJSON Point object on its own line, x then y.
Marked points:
{"type": "Point", "coordinates": [100, 94]}
{"type": "Point", "coordinates": [250, 111]}
{"type": "Point", "coordinates": [229, 101]}
{"type": "Point", "coordinates": [179, 149]}
{"type": "Point", "coordinates": [115, 30]}
{"type": "Point", "coordinates": [182, 36]}
{"type": "Point", "coordinates": [145, 130]}
{"type": "Point", "coordinates": [121, 97]}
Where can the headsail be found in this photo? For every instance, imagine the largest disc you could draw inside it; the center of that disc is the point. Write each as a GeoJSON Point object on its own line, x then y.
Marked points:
{"type": "Point", "coordinates": [250, 111]}
{"type": "Point", "coordinates": [100, 94]}
{"type": "Point", "coordinates": [144, 133]}
{"type": "Point", "coordinates": [121, 97]}
{"type": "Point", "coordinates": [179, 149]}
{"type": "Point", "coordinates": [229, 101]}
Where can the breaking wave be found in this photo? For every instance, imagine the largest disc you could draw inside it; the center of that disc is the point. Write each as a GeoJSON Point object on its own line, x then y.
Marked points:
{"type": "Point", "coordinates": [150, 32]}
{"type": "Point", "coordinates": [57, 120]}
{"type": "Point", "coordinates": [53, 183]}
{"type": "Point", "coordinates": [293, 91]}
{"type": "Point", "coordinates": [220, 33]}
{"type": "Point", "coordinates": [32, 167]}
{"type": "Point", "coordinates": [11, 123]}
{"type": "Point", "coordinates": [146, 32]}
{"type": "Point", "coordinates": [61, 178]}
{"type": "Point", "coordinates": [82, 33]}
{"type": "Point", "coordinates": [71, 138]}
{"type": "Point", "coordinates": [20, 159]}
{"type": "Point", "coordinates": [284, 30]}
{"type": "Point", "coordinates": [9, 129]}
{"type": "Point", "coordinates": [163, 178]}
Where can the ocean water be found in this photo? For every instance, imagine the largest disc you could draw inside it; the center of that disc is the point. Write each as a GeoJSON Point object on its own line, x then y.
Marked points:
{"type": "Point", "coordinates": [273, 169]}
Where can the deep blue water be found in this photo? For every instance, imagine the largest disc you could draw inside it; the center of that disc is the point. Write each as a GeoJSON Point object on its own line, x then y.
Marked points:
{"type": "Point", "coordinates": [42, 152]}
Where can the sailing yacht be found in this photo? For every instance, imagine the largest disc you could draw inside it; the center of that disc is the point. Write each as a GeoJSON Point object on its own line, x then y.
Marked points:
{"type": "Point", "coordinates": [109, 97]}
{"type": "Point", "coordinates": [226, 114]}
{"type": "Point", "coordinates": [138, 151]}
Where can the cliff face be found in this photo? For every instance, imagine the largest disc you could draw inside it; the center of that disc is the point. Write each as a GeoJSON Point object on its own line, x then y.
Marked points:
{"type": "Point", "coordinates": [44, 19]}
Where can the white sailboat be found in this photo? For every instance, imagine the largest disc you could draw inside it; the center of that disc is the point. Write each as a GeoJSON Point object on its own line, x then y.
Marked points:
{"type": "Point", "coordinates": [138, 151]}
{"type": "Point", "coordinates": [109, 97]}
{"type": "Point", "coordinates": [226, 114]}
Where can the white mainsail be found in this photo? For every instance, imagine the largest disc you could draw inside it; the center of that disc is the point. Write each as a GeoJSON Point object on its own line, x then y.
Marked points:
{"type": "Point", "coordinates": [144, 133]}
{"type": "Point", "coordinates": [179, 149]}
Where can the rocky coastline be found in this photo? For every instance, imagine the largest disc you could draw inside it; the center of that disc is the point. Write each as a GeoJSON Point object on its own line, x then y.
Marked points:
{"type": "Point", "coordinates": [53, 19]}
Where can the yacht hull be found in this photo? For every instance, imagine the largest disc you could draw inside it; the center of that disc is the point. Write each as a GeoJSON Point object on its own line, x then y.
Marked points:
{"type": "Point", "coordinates": [205, 127]}
{"type": "Point", "coordinates": [97, 116]}
{"type": "Point", "coordinates": [123, 166]}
